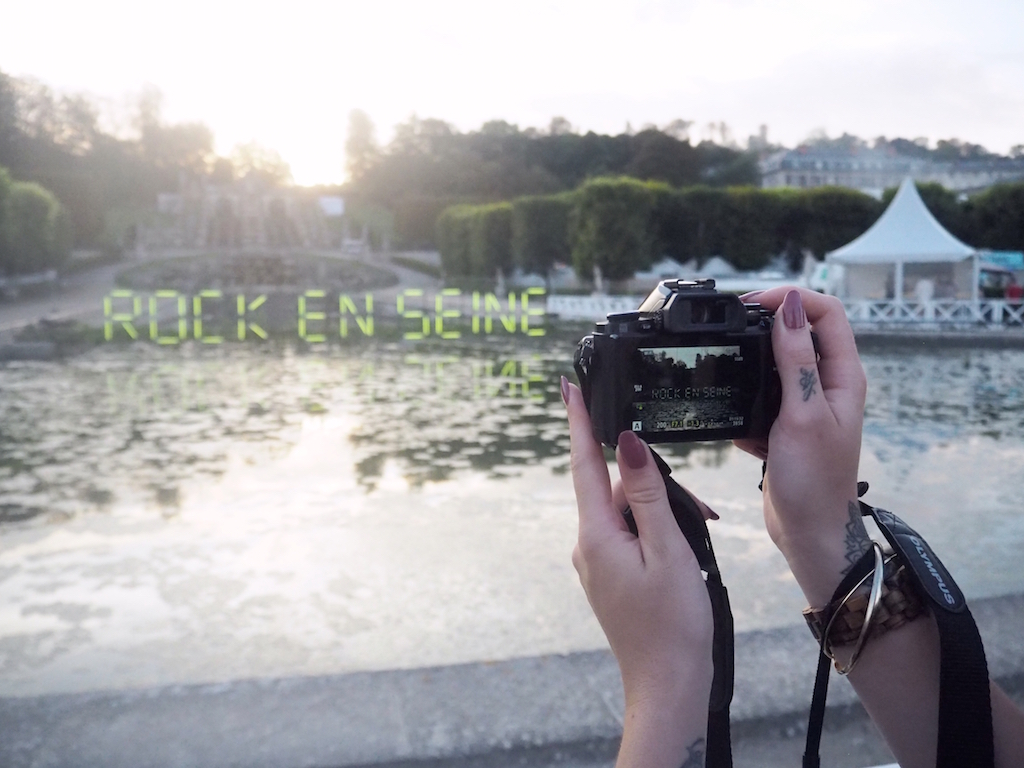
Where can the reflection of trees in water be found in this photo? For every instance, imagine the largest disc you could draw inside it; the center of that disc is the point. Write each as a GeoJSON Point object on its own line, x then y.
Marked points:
{"type": "Point", "coordinates": [481, 413]}
{"type": "Point", "coordinates": [79, 436]}
{"type": "Point", "coordinates": [136, 424]}
{"type": "Point", "coordinates": [710, 370]}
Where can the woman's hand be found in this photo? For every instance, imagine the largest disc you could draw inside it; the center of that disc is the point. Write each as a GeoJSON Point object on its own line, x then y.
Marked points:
{"type": "Point", "coordinates": [813, 449]}
{"type": "Point", "coordinates": [647, 592]}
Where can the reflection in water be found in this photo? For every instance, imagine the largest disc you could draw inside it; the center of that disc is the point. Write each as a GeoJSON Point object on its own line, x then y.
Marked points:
{"type": "Point", "coordinates": [202, 513]}
{"type": "Point", "coordinates": [120, 424]}
{"type": "Point", "coordinates": [920, 399]}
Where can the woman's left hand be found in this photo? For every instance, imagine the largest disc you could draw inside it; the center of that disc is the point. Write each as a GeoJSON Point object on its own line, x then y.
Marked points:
{"type": "Point", "coordinates": [647, 591]}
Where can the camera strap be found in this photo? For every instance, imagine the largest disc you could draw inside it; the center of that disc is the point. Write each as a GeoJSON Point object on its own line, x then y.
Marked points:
{"type": "Point", "coordinates": [690, 520]}
{"type": "Point", "coordinates": [965, 708]}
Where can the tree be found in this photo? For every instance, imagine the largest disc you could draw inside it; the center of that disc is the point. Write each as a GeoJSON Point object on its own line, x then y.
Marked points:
{"type": "Point", "coordinates": [559, 126]}
{"type": "Point", "coordinates": [254, 161]}
{"type": "Point", "coordinates": [453, 240]}
{"type": "Point", "coordinates": [490, 240]}
{"type": "Point", "coordinates": [610, 227]}
{"type": "Point", "coordinates": [996, 217]}
{"type": "Point", "coordinates": [540, 232]}
{"type": "Point", "coordinates": [361, 150]}
{"type": "Point", "coordinates": [8, 121]}
{"type": "Point", "coordinates": [657, 155]}
{"type": "Point", "coordinates": [32, 230]}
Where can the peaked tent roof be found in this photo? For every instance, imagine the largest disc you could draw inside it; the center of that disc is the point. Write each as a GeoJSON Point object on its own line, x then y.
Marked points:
{"type": "Point", "coordinates": [905, 232]}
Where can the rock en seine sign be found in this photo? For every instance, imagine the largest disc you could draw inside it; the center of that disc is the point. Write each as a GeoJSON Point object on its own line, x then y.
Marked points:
{"type": "Point", "coordinates": [213, 316]}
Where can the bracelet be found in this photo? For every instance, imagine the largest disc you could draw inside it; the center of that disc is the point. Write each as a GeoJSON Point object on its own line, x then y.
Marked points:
{"type": "Point", "coordinates": [847, 620]}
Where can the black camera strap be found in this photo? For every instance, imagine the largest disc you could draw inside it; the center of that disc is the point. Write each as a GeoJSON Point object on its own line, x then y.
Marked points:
{"type": "Point", "coordinates": [965, 708]}
{"type": "Point", "coordinates": [691, 522]}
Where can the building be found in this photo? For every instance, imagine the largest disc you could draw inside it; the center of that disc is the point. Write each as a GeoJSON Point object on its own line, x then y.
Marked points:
{"type": "Point", "coordinates": [873, 170]}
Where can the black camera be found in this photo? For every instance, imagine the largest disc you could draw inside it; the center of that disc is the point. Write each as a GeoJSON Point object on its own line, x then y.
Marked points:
{"type": "Point", "coordinates": [690, 364]}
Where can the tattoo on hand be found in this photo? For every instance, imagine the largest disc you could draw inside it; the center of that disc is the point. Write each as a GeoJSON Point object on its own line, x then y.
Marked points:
{"type": "Point", "coordinates": [857, 540]}
{"type": "Point", "coordinates": [808, 381]}
{"type": "Point", "coordinates": [695, 758]}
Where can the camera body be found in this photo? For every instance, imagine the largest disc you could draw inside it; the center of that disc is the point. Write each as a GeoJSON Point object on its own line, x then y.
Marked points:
{"type": "Point", "coordinates": [691, 364]}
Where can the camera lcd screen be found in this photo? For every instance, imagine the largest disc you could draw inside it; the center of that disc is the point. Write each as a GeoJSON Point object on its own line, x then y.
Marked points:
{"type": "Point", "coordinates": [685, 389]}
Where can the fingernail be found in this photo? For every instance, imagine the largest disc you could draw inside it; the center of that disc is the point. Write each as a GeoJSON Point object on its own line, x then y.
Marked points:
{"type": "Point", "coordinates": [565, 391]}
{"type": "Point", "coordinates": [793, 311]}
{"type": "Point", "coordinates": [750, 295]}
{"type": "Point", "coordinates": [633, 451]}
{"type": "Point", "coordinates": [713, 515]}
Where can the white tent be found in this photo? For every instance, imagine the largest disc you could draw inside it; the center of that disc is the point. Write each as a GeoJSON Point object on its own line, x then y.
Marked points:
{"type": "Point", "coordinates": [907, 254]}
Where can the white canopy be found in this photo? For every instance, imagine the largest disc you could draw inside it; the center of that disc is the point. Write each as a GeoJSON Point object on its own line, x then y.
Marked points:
{"type": "Point", "coordinates": [906, 232]}
{"type": "Point", "coordinates": [907, 254]}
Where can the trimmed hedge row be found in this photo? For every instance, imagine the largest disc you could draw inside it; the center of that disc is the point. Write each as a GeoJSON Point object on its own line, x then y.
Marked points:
{"type": "Point", "coordinates": [623, 225]}
{"type": "Point", "coordinates": [35, 233]}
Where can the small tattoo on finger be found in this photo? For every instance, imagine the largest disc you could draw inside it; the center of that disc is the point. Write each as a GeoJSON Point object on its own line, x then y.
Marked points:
{"type": "Point", "coordinates": [808, 382]}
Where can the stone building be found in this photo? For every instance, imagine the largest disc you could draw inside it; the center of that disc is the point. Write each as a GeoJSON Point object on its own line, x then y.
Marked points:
{"type": "Point", "coordinates": [873, 170]}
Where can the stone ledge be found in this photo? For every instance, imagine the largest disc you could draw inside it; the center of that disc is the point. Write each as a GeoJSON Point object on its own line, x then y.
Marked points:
{"type": "Point", "coordinates": [448, 714]}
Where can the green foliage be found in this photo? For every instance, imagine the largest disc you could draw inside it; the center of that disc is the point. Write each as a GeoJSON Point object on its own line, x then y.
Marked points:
{"type": "Point", "coordinates": [610, 227]}
{"type": "Point", "coordinates": [490, 240]}
{"type": "Point", "coordinates": [837, 215]}
{"type": "Point", "coordinates": [749, 223]}
{"type": "Point", "coordinates": [416, 218]}
{"type": "Point", "coordinates": [540, 232]}
{"type": "Point", "coordinates": [622, 224]}
{"type": "Point", "coordinates": [698, 227]}
{"type": "Point", "coordinates": [34, 233]}
{"type": "Point", "coordinates": [995, 217]}
{"type": "Point", "coordinates": [431, 160]}
{"type": "Point", "coordinates": [361, 149]}
{"type": "Point", "coordinates": [453, 233]}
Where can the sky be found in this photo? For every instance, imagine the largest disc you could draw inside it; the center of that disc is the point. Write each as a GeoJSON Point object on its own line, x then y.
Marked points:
{"type": "Point", "coordinates": [287, 75]}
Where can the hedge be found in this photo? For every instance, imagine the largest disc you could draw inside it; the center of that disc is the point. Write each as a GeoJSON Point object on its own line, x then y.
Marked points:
{"type": "Point", "coordinates": [610, 227]}
{"type": "Point", "coordinates": [540, 232]}
{"type": "Point", "coordinates": [35, 233]}
{"type": "Point", "coordinates": [622, 225]}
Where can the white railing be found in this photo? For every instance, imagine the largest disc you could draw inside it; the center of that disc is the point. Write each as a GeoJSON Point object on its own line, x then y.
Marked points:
{"type": "Point", "coordinates": [990, 312]}
{"type": "Point", "coordinates": [594, 307]}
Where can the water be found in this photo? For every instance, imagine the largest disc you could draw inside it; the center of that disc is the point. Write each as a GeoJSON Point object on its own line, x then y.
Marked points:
{"type": "Point", "coordinates": [207, 514]}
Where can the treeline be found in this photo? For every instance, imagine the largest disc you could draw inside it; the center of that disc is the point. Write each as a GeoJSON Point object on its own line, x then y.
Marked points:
{"type": "Point", "coordinates": [108, 181]}
{"type": "Point", "coordinates": [35, 232]}
{"type": "Point", "coordinates": [429, 166]}
{"type": "Point", "coordinates": [624, 225]}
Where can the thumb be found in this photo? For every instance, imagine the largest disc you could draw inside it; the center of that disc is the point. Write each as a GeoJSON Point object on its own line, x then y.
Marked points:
{"type": "Point", "coordinates": [644, 488]}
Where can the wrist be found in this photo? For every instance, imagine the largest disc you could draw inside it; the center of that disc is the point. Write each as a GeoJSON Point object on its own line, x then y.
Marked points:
{"type": "Point", "coordinates": [672, 687]}
{"type": "Point", "coordinates": [820, 557]}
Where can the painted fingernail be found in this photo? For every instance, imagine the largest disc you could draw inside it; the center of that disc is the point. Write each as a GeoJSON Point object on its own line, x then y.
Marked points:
{"type": "Point", "coordinates": [750, 295]}
{"type": "Point", "coordinates": [565, 391]}
{"type": "Point", "coordinates": [793, 311]}
{"type": "Point", "coordinates": [633, 451]}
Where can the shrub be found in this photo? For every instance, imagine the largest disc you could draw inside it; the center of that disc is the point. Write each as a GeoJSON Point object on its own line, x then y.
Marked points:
{"type": "Point", "coordinates": [34, 231]}
{"type": "Point", "coordinates": [610, 227]}
{"type": "Point", "coordinates": [452, 233]}
{"type": "Point", "coordinates": [490, 239]}
{"type": "Point", "coordinates": [540, 232]}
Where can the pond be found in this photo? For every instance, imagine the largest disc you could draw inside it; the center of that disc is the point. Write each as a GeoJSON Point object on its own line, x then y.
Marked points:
{"type": "Point", "coordinates": [198, 514]}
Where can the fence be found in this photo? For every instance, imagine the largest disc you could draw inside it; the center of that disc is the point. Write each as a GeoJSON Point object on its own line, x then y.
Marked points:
{"type": "Point", "coordinates": [992, 312]}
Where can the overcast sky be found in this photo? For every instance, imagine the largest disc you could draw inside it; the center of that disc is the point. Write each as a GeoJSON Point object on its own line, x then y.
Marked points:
{"type": "Point", "coordinates": [287, 74]}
